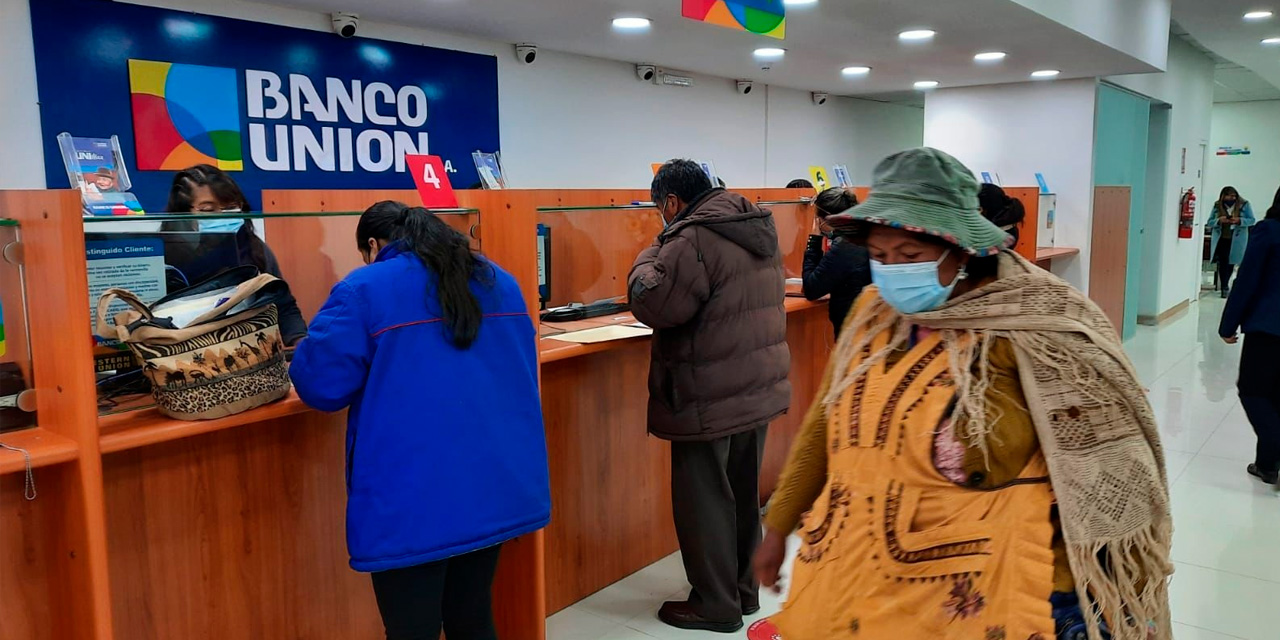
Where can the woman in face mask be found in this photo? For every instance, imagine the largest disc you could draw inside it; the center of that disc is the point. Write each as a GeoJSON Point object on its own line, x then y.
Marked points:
{"type": "Point", "coordinates": [1229, 222]}
{"type": "Point", "coordinates": [205, 190]}
{"type": "Point", "coordinates": [980, 460]}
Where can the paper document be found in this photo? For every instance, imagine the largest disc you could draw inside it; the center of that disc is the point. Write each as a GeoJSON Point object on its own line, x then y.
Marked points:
{"type": "Point", "coordinates": [602, 334]}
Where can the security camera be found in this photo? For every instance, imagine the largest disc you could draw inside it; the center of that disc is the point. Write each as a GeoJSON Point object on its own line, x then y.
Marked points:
{"type": "Point", "coordinates": [646, 72]}
{"type": "Point", "coordinates": [745, 86]}
{"type": "Point", "coordinates": [820, 98]}
{"type": "Point", "coordinates": [526, 53]}
{"type": "Point", "coordinates": [344, 24]}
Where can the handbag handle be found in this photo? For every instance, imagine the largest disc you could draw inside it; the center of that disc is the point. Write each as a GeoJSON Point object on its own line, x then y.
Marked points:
{"type": "Point", "coordinates": [243, 291]}
{"type": "Point", "coordinates": [105, 330]}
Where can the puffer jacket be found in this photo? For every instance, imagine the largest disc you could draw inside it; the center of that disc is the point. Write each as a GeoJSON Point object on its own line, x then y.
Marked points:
{"type": "Point", "coordinates": [712, 288]}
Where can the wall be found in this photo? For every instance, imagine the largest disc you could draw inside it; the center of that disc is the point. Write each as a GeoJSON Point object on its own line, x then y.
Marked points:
{"type": "Point", "coordinates": [1187, 87]}
{"type": "Point", "coordinates": [1120, 158]}
{"type": "Point", "coordinates": [568, 121]}
{"type": "Point", "coordinates": [22, 162]}
{"type": "Point", "coordinates": [1240, 124]}
{"type": "Point", "coordinates": [1017, 130]}
{"type": "Point", "coordinates": [1139, 28]}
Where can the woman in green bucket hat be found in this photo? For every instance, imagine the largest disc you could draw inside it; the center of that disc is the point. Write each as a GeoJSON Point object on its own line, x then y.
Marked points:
{"type": "Point", "coordinates": [980, 459]}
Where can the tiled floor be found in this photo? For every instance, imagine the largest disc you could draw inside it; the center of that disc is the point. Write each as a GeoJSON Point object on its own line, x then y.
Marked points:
{"type": "Point", "coordinates": [1227, 543]}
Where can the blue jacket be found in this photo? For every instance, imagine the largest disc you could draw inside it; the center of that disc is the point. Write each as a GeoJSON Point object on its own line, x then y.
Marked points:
{"type": "Point", "coordinates": [1239, 232]}
{"type": "Point", "coordinates": [445, 447]}
{"type": "Point", "coordinates": [1254, 304]}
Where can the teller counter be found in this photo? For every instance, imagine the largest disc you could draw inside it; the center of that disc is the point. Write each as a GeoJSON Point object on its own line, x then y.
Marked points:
{"type": "Point", "coordinates": [611, 511]}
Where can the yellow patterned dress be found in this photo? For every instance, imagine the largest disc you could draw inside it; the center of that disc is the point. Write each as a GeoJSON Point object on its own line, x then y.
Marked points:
{"type": "Point", "coordinates": [892, 549]}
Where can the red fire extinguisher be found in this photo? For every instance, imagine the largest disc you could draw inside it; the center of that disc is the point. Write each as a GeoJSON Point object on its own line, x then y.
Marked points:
{"type": "Point", "coordinates": [1187, 214]}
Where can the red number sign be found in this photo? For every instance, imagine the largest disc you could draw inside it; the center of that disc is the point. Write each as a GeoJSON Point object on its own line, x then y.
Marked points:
{"type": "Point", "coordinates": [433, 182]}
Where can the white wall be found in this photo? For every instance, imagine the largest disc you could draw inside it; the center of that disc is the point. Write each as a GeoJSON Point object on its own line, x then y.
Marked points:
{"type": "Point", "coordinates": [566, 122]}
{"type": "Point", "coordinates": [1017, 130]}
{"type": "Point", "coordinates": [1256, 176]}
{"type": "Point", "coordinates": [1187, 86]}
{"type": "Point", "coordinates": [21, 156]}
{"type": "Point", "coordinates": [1139, 28]}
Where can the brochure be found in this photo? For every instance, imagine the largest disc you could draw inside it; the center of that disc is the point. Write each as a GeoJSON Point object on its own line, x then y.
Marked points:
{"type": "Point", "coordinates": [96, 167]}
{"type": "Point", "coordinates": [489, 166]}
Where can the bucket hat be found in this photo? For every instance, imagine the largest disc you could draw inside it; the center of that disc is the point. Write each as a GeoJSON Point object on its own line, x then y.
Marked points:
{"type": "Point", "coordinates": [927, 191]}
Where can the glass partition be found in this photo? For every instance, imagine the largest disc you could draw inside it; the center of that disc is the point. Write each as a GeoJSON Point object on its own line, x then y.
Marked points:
{"type": "Point", "coordinates": [591, 249]}
{"type": "Point", "coordinates": [157, 255]}
{"type": "Point", "coordinates": [17, 398]}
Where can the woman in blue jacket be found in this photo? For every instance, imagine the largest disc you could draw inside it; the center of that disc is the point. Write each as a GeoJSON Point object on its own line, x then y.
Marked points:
{"type": "Point", "coordinates": [432, 350]}
{"type": "Point", "coordinates": [1229, 222]}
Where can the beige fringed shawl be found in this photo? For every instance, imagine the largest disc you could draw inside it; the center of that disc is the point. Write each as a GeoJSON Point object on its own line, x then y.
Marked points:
{"type": "Point", "coordinates": [1096, 429]}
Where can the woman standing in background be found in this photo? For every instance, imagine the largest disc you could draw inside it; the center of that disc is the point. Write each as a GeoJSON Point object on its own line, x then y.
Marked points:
{"type": "Point", "coordinates": [840, 270]}
{"type": "Point", "coordinates": [1230, 222]}
{"type": "Point", "coordinates": [432, 349]}
{"type": "Point", "coordinates": [1003, 211]}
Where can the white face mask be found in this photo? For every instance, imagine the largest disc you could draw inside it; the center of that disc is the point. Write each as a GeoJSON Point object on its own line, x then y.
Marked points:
{"type": "Point", "coordinates": [913, 287]}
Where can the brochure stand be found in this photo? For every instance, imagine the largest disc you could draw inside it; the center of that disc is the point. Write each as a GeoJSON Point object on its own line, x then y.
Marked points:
{"type": "Point", "coordinates": [96, 167]}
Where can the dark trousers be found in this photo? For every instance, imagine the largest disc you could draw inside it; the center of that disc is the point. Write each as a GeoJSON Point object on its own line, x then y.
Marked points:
{"type": "Point", "coordinates": [1259, 386]}
{"type": "Point", "coordinates": [715, 498]}
{"type": "Point", "coordinates": [1225, 271]}
{"type": "Point", "coordinates": [453, 594]}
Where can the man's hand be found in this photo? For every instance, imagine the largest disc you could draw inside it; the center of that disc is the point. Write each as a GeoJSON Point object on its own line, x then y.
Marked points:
{"type": "Point", "coordinates": [1231, 339]}
{"type": "Point", "coordinates": [769, 558]}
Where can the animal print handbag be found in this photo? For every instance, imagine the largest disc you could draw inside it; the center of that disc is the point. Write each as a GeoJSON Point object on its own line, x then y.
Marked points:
{"type": "Point", "coordinates": [211, 350]}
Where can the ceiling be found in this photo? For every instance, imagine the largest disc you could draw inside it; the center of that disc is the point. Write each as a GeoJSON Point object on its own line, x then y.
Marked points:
{"type": "Point", "coordinates": [1246, 69]}
{"type": "Point", "coordinates": [821, 39]}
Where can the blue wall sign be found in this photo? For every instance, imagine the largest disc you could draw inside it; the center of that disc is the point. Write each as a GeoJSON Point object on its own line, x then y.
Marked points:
{"type": "Point", "coordinates": [277, 107]}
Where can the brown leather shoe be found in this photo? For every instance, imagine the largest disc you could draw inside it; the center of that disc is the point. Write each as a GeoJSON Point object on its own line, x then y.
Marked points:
{"type": "Point", "coordinates": [682, 616]}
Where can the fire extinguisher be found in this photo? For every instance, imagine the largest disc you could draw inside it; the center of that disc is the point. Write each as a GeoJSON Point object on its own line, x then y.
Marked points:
{"type": "Point", "coordinates": [1187, 214]}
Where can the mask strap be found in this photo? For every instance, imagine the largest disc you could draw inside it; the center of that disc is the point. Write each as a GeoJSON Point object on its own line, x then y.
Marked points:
{"type": "Point", "coordinates": [961, 274]}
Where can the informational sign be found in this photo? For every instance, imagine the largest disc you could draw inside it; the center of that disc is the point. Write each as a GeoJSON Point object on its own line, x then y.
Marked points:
{"type": "Point", "coordinates": [135, 264]}
{"type": "Point", "coordinates": [276, 107]}
{"type": "Point", "coordinates": [841, 173]}
{"type": "Point", "coordinates": [432, 181]}
{"type": "Point", "coordinates": [1044, 184]}
{"type": "Point", "coordinates": [819, 178]}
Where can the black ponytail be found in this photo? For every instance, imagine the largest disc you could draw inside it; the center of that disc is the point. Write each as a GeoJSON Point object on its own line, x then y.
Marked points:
{"type": "Point", "coordinates": [444, 251]}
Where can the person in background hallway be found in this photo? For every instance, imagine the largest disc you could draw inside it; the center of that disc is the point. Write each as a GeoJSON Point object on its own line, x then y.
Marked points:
{"type": "Point", "coordinates": [799, 183]}
{"type": "Point", "coordinates": [712, 286]}
{"type": "Point", "coordinates": [432, 349]}
{"type": "Point", "coordinates": [980, 457]}
{"type": "Point", "coordinates": [1254, 306]}
{"type": "Point", "coordinates": [841, 269]}
{"type": "Point", "coordinates": [205, 190]}
{"type": "Point", "coordinates": [1230, 221]}
{"type": "Point", "coordinates": [1003, 211]}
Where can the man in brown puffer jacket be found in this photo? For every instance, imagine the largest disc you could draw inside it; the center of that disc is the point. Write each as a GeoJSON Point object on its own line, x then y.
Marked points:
{"type": "Point", "coordinates": [712, 288]}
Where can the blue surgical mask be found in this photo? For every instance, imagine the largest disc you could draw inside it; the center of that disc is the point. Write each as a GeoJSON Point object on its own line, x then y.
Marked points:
{"type": "Point", "coordinates": [220, 225]}
{"type": "Point", "coordinates": [913, 287]}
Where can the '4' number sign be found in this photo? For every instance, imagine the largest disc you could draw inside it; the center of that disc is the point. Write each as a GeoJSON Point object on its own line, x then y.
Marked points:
{"type": "Point", "coordinates": [433, 183]}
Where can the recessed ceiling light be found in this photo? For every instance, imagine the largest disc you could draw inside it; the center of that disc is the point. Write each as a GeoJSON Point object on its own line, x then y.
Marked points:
{"type": "Point", "coordinates": [1257, 15]}
{"type": "Point", "coordinates": [990, 56]}
{"type": "Point", "coordinates": [770, 53]}
{"type": "Point", "coordinates": [917, 34]}
{"type": "Point", "coordinates": [855, 71]}
{"type": "Point", "coordinates": [926, 84]}
{"type": "Point", "coordinates": [1045, 73]}
{"type": "Point", "coordinates": [1271, 41]}
{"type": "Point", "coordinates": [796, 3]}
{"type": "Point", "coordinates": [631, 24]}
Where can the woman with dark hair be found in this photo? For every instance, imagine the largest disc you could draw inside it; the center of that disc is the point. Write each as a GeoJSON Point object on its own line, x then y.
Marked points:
{"type": "Point", "coordinates": [980, 461]}
{"type": "Point", "coordinates": [1003, 211]}
{"type": "Point", "coordinates": [833, 265]}
{"type": "Point", "coordinates": [431, 348]}
{"type": "Point", "coordinates": [799, 183]}
{"type": "Point", "coordinates": [205, 190]}
{"type": "Point", "coordinates": [1254, 307]}
{"type": "Point", "coordinates": [1230, 222]}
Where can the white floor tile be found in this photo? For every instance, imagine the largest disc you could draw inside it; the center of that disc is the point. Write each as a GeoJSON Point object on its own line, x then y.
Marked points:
{"type": "Point", "coordinates": [1234, 439]}
{"type": "Point", "coordinates": [1184, 632]}
{"type": "Point", "coordinates": [1226, 603]}
{"type": "Point", "coordinates": [576, 624]}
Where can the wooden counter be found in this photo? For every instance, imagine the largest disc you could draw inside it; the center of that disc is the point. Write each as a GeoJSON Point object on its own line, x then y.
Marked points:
{"type": "Point", "coordinates": [610, 481]}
